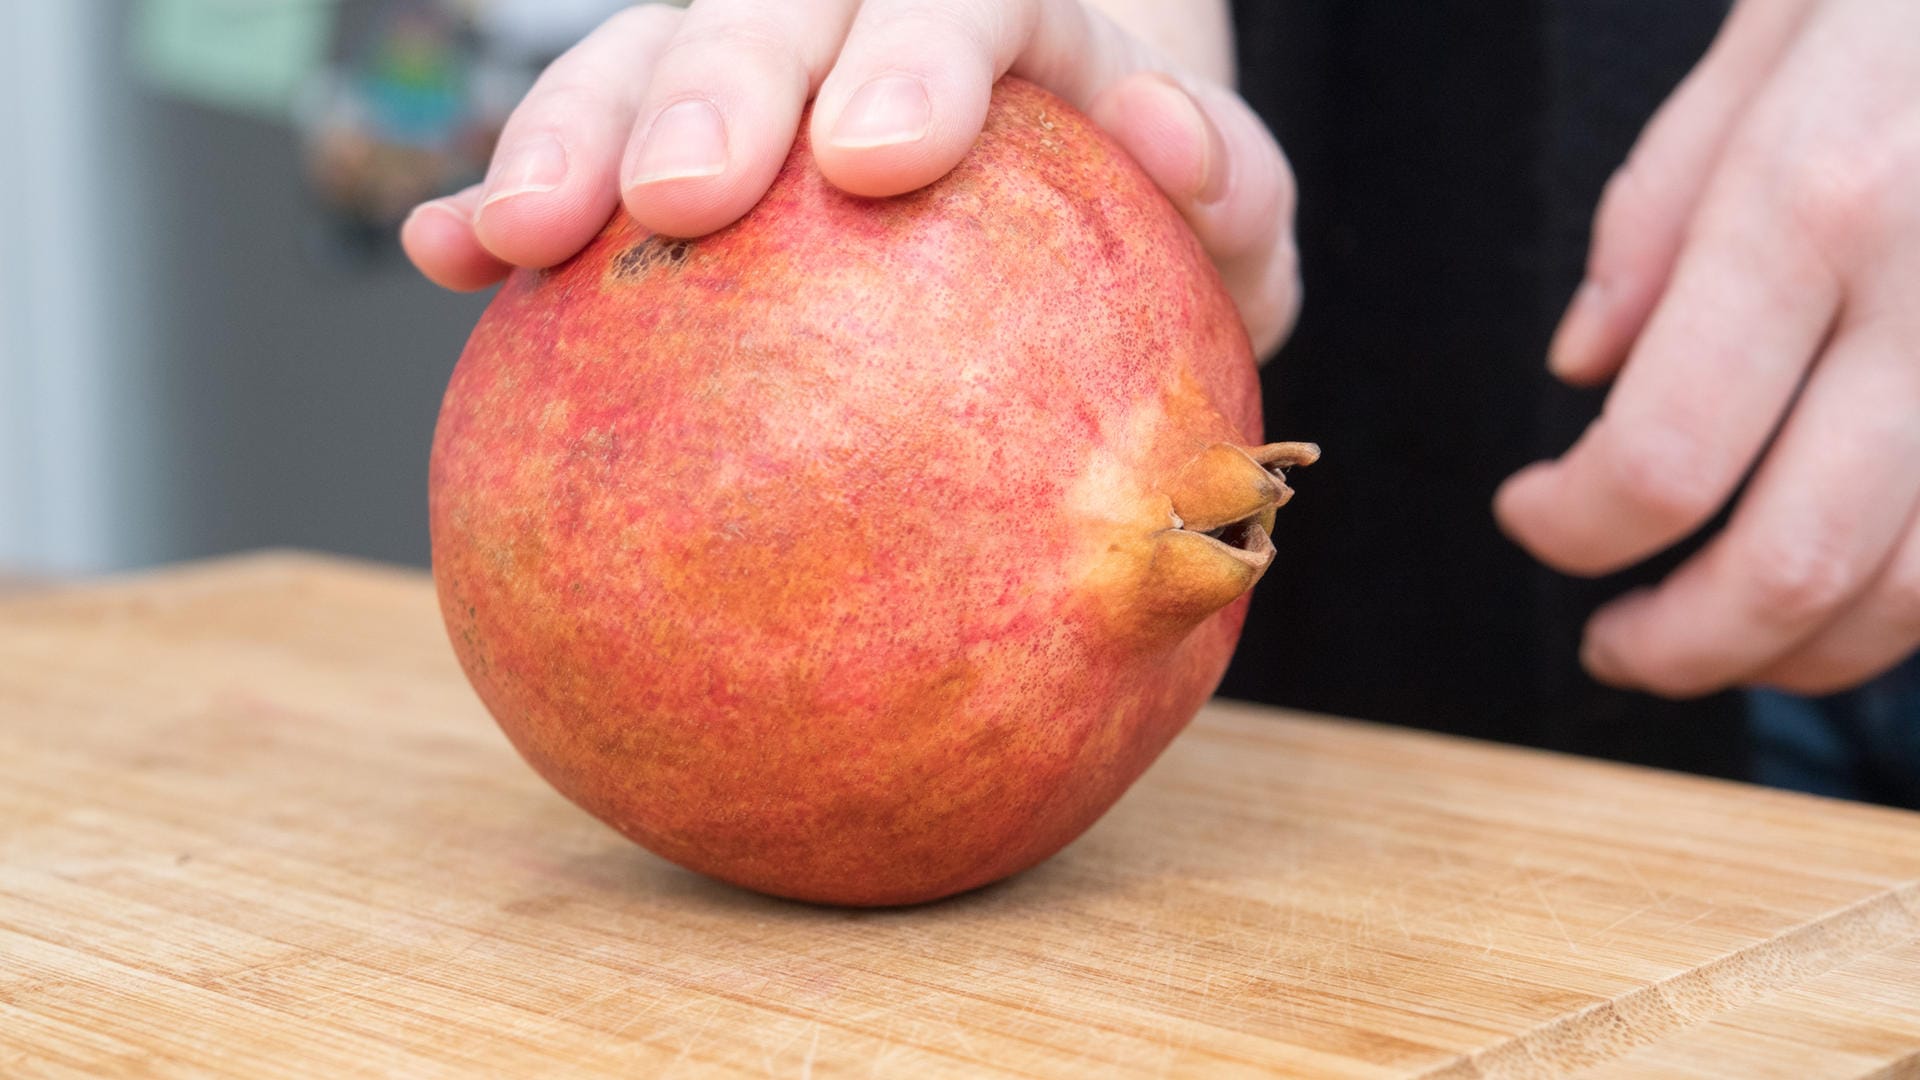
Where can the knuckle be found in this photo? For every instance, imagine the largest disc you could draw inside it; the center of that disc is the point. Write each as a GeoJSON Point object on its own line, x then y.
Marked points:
{"type": "Point", "coordinates": [1836, 193]}
{"type": "Point", "coordinates": [647, 20]}
{"type": "Point", "coordinates": [1832, 191]}
{"type": "Point", "coordinates": [764, 43]}
{"type": "Point", "coordinates": [984, 23]}
{"type": "Point", "coordinates": [1664, 472]}
{"type": "Point", "coordinates": [562, 99]}
{"type": "Point", "coordinates": [1795, 581]}
{"type": "Point", "coordinates": [972, 29]}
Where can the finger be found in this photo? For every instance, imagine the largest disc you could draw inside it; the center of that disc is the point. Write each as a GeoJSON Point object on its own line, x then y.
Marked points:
{"type": "Point", "coordinates": [1227, 176]}
{"type": "Point", "coordinates": [1707, 382]}
{"type": "Point", "coordinates": [909, 94]}
{"type": "Point", "coordinates": [438, 238]}
{"type": "Point", "coordinates": [1823, 515]}
{"type": "Point", "coordinates": [1881, 627]}
{"type": "Point", "coordinates": [554, 179]}
{"type": "Point", "coordinates": [1643, 212]}
{"type": "Point", "coordinates": [721, 112]}
{"type": "Point", "coordinates": [1875, 632]}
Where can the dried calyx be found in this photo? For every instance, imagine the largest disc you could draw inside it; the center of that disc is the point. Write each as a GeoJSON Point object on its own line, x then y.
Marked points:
{"type": "Point", "coordinates": [1229, 494]}
{"type": "Point", "coordinates": [1223, 506]}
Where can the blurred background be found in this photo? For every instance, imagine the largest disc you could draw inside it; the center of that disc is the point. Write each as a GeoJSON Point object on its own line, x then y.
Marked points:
{"type": "Point", "coordinates": [209, 340]}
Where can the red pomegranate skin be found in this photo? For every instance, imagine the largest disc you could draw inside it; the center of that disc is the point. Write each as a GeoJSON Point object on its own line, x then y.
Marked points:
{"type": "Point", "coordinates": [822, 554]}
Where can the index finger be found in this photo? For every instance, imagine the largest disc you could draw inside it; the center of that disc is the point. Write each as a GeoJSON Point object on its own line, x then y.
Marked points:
{"type": "Point", "coordinates": [1750, 303]}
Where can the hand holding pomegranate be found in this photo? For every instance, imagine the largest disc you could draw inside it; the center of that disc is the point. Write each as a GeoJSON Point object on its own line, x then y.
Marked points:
{"type": "Point", "coordinates": [687, 116]}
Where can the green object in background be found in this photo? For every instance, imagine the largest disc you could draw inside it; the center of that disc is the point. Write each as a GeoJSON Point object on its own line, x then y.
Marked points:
{"type": "Point", "coordinates": [248, 55]}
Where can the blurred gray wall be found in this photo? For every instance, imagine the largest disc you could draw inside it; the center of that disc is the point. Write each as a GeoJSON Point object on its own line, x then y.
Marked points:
{"type": "Point", "coordinates": [298, 393]}
{"type": "Point", "coordinates": [183, 370]}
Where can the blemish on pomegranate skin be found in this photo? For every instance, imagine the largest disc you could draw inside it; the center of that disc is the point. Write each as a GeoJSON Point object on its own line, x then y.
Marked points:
{"type": "Point", "coordinates": [654, 252]}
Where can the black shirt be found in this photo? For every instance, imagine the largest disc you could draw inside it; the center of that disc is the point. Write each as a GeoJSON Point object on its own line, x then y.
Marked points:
{"type": "Point", "coordinates": [1449, 154]}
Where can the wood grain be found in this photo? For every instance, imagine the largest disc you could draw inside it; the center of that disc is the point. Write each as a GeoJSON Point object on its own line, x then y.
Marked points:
{"type": "Point", "coordinates": [256, 825]}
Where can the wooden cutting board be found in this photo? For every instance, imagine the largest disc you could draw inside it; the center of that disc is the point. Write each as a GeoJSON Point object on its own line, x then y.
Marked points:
{"type": "Point", "coordinates": [253, 823]}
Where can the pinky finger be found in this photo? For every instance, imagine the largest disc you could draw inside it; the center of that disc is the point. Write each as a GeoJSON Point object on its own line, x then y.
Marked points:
{"type": "Point", "coordinates": [1226, 175]}
{"type": "Point", "coordinates": [1878, 631]}
{"type": "Point", "coordinates": [438, 237]}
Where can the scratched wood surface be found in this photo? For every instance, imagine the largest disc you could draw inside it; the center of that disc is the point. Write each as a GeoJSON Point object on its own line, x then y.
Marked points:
{"type": "Point", "coordinates": [252, 823]}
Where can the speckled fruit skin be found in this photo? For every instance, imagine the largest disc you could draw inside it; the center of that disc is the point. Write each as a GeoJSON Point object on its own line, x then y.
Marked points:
{"type": "Point", "coordinates": [817, 554]}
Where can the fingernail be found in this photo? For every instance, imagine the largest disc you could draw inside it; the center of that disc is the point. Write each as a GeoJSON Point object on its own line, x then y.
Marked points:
{"type": "Point", "coordinates": [533, 167]}
{"type": "Point", "coordinates": [1580, 329]}
{"type": "Point", "coordinates": [686, 140]}
{"type": "Point", "coordinates": [1210, 179]}
{"type": "Point", "coordinates": [887, 111]}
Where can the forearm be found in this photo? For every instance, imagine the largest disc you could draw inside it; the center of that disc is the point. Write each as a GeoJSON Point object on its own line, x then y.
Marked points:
{"type": "Point", "coordinates": [1198, 34]}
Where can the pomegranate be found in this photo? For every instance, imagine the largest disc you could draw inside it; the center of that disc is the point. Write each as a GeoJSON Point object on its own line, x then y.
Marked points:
{"type": "Point", "coordinates": [865, 551]}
